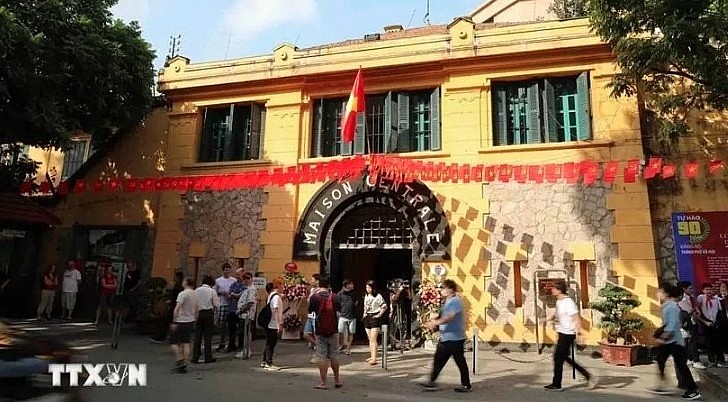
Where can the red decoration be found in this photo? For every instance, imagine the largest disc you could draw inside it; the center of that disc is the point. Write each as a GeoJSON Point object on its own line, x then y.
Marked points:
{"type": "Point", "coordinates": [631, 171]}
{"type": "Point", "coordinates": [45, 187]}
{"type": "Point", "coordinates": [715, 165]}
{"type": "Point", "coordinates": [520, 173]}
{"type": "Point", "coordinates": [590, 170]}
{"type": "Point", "coordinates": [691, 170]}
{"type": "Point", "coordinates": [610, 171]}
{"type": "Point", "coordinates": [63, 188]}
{"type": "Point", "coordinates": [570, 172]}
{"type": "Point", "coordinates": [98, 186]}
{"type": "Point", "coordinates": [535, 173]}
{"type": "Point", "coordinates": [465, 173]}
{"type": "Point", "coordinates": [553, 173]}
{"type": "Point", "coordinates": [114, 185]}
{"type": "Point", "coordinates": [131, 185]}
{"type": "Point", "coordinates": [79, 186]}
{"type": "Point", "coordinates": [490, 173]}
{"type": "Point", "coordinates": [477, 173]}
{"type": "Point", "coordinates": [668, 171]}
{"type": "Point", "coordinates": [26, 187]}
{"type": "Point", "coordinates": [505, 173]}
{"type": "Point", "coordinates": [653, 168]}
{"type": "Point", "coordinates": [291, 267]}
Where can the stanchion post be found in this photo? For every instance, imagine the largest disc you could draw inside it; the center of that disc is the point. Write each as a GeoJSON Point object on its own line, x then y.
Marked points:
{"type": "Point", "coordinates": [385, 341]}
{"type": "Point", "coordinates": [573, 353]}
{"type": "Point", "coordinates": [476, 369]}
{"type": "Point", "coordinates": [246, 332]}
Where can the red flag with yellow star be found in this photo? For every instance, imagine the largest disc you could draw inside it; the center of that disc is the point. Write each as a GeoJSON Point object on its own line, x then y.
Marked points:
{"type": "Point", "coordinates": [356, 104]}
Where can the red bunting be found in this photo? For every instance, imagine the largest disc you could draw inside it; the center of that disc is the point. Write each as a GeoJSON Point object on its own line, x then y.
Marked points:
{"type": "Point", "coordinates": [610, 171]}
{"type": "Point", "coordinates": [631, 171]}
{"type": "Point", "coordinates": [477, 173]}
{"type": "Point", "coordinates": [520, 173]}
{"type": "Point", "coordinates": [590, 170]}
{"type": "Point", "coordinates": [98, 186]}
{"type": "Point", "coordinates": [553, 173]}
{"type": "Point", "coordinates": [454, 172]}
{"type": "Point", "coordinates": [45, 187]}
{"type": "Point", "coordinates": [26, 187]}
{"type": "Point", "coordinates": [63, 188]}
{"type": "Point", "coordinates": [668, 171]}
{"type": "Point", "coordinates": [570, 172]}
{"type": "Point", "coordinates": [114, 185]}
{"type": "Point", "coordinates": [443, 171]}
{"type": "Point", "coordinates": [654, 167]}
{"type": "Point", "coordinates": [535, 173]}
{"type": "Point", "coordinates": [131, 185]}
{"type": "Point", "coordinates": [79, 186]}
{"type": "Point", "coordinates": [505, 173]}
{"type": "Point", "coordinates": [691, 170]}
{"type": "Point", "coordinates": [715, 165]}
{"type": "Point", "coordinates": [465, 173]}
{"type": "Point", "coordinates": [491, 172]}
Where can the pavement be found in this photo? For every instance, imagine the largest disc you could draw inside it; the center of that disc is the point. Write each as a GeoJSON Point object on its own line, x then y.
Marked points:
{"type": "Point", "coordinates": [515, 376]}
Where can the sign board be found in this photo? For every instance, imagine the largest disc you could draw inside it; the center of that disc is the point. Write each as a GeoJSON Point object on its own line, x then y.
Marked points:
{"type": "Point", "coordinates": [701, 246]}
{"type": "Point", "coordinates": [439, 270]}
{"type": "Point", "coordinates": [259, 282]}
{"type": "Point", "coordinates": [545, 285]}
{"type": "Point", "coordinates": [20, 234]}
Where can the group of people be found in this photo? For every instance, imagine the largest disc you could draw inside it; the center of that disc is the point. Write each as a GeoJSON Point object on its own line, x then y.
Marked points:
{"type": "Point", "coordinates": [69, 283]}
{"type": "Point", "coordinates": [706, 314]}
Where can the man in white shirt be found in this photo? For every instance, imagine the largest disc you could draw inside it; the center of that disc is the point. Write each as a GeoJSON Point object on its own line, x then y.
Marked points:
{"type": "Point", "coordinates": [568, 328]}
{"type": "Point", "coordinates": [207, 302]}
{"type": "Point", "coordinates": [690, 328]}
{"type": "Point", "coordinates": [710, 307]}
{"type": "Point", "coordinates": [183, 322]}
{"type": "Point", "coordinates": [222, 287]}
{"type": "Point", "coordinates": [247, 306]}
{"type": "Point", "coordinates": [275, 324]}
{"type": "Point", "coordinates": [71, 279]}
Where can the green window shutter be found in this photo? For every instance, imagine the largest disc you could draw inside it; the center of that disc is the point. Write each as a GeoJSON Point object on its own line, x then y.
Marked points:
{"type": "Point", "coordinates": [360, 137]}
{"type": "Point", "coordinates": [228, 147]}
{"type": "Point", "coordinates": [550, 120]}
{"type": "Point", "coordinates": [346, 147]}
{"type": "Point", "coordinates": [583, 109]}
{"type": "Point", "coordinates": [403, 127]}
{"type": "Point", "coordinates": [533, 127]}
{"type": "Point", "coordinates": [435, 128]}
{"type": "Point", "coordinates": [318, 128]}
{"type": "Point", "coordinates": [390, 121]}
{"type": "Point", "coordinates": [500, 116]}
{"type": "Point", "coordinates": [257, 114]}
{"type": "Point", "coordinates": [205, 139]}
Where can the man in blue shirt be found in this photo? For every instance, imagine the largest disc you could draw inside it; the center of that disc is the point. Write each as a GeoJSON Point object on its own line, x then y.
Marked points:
{"type": "Point", "coordinates": [452, 337]}
{"type": "Point", "coordinates": [671, 343]}
{"type": "Point", "coordinates": [236, 290]}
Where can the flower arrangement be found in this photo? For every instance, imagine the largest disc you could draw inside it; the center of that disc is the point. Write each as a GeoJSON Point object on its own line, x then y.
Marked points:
{"type": "Point", "coordinates": [430, 302]}
{"type": "Point", "coordinates": [295, 292]}
{"type": "Point", "coordinates": [292, 322]}
{"type": "Point", "coordinates": [293, 278]}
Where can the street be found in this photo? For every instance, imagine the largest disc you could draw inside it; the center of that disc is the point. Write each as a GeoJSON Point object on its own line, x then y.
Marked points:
{"type": "Point", "coordinates": [515, 376]}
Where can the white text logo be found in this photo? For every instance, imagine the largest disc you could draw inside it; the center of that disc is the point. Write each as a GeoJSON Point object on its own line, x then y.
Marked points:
{"type": "Point", "coordinates": [101, 375]}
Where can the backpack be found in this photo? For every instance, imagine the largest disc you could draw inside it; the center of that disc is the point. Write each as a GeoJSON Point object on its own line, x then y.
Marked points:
{"type": "Point", "coordinates": [266, 314]}
{"type": "Point", "coordinates": [326, 322]}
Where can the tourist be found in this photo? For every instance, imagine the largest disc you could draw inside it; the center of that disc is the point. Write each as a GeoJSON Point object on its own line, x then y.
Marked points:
{"type": "Point", "coordinates": [689, 316]}
{"type": "Point", "coordinates": [107, 289]}
{"type": "Point", "coordinates": [323, 303]}
{"type": "Point", "coordinates": [236, 290]}
{"type": "Point", "coordinates": [183, 322]}
{"type": "Point", "coordinates": [207, 303]}
{"type": "Point", "coordinates": [308, 334]}
{"type": "Point", "coordinates": [132, 286]}
{"type": "Point", "coordinates": [568, 328]}
{"type": "Point", "coordinates": [346, 307]}
{"type": "Point", "coordinates": [710, 308]}
{"type": "Point", "coordinates": [246, 310]}
{"type": "Point", "coordinates": [451, 325]}
{"type": "Point", "coordinates": [222, 287]}
{"type": "Point", "coordinates": [374, 309]}
{"type": "Point", "coordinates": [71, 280]}
{"type": "Point", "coordinates": [671, 344]}
{"type": "Point", "coordinates": [275, 325]}
{"type": "Point", "coordinates": [49, 287]}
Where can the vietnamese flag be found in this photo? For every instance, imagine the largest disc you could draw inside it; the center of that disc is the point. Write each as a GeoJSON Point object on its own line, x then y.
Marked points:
{"type": "Point", "coordinates": [668, 171]}
{"type": "Point", "coordinates": [691, 170]}
{"type": "Point", "coordinates": [356, 104]}
{"type": "Point", "coordinates": [715, 165]}
{"type": "Point", "coordinates": [610, 171]}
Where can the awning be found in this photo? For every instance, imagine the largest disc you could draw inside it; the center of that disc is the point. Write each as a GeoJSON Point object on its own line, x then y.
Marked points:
{"type": "Point", "coordinates": [19, 209]}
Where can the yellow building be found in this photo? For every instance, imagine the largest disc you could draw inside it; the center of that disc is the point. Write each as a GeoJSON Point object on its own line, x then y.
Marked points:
{"type": "Point", "coordinates": [466, 93]}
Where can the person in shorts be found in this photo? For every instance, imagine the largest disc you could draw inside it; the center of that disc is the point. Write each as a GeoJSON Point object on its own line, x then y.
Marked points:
{"type": "Point", "coordinates": [71, 280]}
{"type": "Point", "coordinates": [346, 308]}
{"type": "Point", "coordinates": [107, 289]}
{"type": "Point", "coordinates": [323, 304]}
{"type": "Point", "coordinates": [183, 323]}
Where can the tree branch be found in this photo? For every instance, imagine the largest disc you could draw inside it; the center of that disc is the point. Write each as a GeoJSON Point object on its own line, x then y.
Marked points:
{"type": "Point", "coordinates": [680, 73]}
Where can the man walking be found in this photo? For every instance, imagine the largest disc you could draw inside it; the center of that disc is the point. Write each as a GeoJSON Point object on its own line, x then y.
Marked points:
{"type": "Point", "coordinates": [185, 315]}
{"type": "Point", "coordinates": [672, 344]}
{"type": "Point", "coordinates": [346, 308]}
{"type": "Point", "coordinates": [452, 337]}
{"type": "Point", "coordinates": [323, 304]}
{"type": "Point", "coordinates": [568, 327]}
{"type": "Point", "coordinates": [222, 287]}
{"type": "Point", "coordinates": [246, 308]}
{"type": "Point", "coordinates": [208, 302]}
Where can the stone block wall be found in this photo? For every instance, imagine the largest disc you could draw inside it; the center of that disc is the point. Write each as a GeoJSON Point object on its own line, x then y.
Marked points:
{"type": "Point", "coordinates": [220, 220]}
{"type": "Point", "coordinates": [546, 219]}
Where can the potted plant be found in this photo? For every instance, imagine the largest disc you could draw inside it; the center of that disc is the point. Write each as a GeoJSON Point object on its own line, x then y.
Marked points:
{"type": "Point", "coordinates": [291, 327]}
{"type": "Point", "coordinates": [620, 347]}
{"type": "Point", "coordinates": [429, 304]}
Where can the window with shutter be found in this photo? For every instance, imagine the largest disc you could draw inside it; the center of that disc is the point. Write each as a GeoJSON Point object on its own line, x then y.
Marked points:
{"type": "Point", "coordinates": [257, 126]}
{"type": "Point", "coordinates": [318, 128]}
{"type": "Point", "coordinates": [435, 121]}
{"type": "Point", "coordinates": [390, 122]}
{"type": "Point", "coordinates": [231, 133]}
{"type": "Point", "coordinates": [548, 110]}
{"type": "Point", "coordinates": [403, 127]}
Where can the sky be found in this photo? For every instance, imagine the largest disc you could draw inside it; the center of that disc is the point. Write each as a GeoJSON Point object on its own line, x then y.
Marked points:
{"type": "Point", "coordinates": [229, 29]}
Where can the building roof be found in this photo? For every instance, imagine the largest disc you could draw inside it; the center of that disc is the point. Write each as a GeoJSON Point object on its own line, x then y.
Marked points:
{"type": "Point", "coordinates": [18, 209]}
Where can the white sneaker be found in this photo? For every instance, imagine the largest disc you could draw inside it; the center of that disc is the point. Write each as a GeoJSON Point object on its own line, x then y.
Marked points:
{"type": "Point", "coordinates": [699, 366]}
{"type": "Point", "coordinates": [690, 362]}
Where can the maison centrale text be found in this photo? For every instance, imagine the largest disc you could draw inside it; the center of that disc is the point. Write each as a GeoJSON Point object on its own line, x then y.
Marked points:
{"type": "Point", "coordinates": [404, 191]}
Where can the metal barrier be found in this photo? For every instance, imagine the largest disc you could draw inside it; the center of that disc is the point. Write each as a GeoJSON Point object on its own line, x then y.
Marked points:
{"type": "Point", "coordinates": [476, 368]}
{"type": "Point", "coordinates": [385, 345]}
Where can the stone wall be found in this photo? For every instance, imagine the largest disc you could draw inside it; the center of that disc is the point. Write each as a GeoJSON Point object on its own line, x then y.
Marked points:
{"type": "Point", "coordinates": [220, 220]}
{"type": "Point", "coordinates": [547, 219]}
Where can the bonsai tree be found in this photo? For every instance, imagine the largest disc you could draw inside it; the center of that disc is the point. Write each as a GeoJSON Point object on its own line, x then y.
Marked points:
{"type": "Point", "coordinates": [616, 304]}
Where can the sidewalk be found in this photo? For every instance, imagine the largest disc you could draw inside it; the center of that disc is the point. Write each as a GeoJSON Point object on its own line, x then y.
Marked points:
{"type": "Point", "coordinates": [515, 376]}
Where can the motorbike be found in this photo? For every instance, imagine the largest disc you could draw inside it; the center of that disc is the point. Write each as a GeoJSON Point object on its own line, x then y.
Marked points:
{"type": "Point", "coordinates": [24, 360]}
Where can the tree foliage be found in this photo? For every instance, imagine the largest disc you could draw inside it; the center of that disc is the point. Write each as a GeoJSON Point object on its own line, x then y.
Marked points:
{"type": "Point", "coordinates": [565, 9]}
{"type": "Point", "coordinates": [615, 306]}
{"type": "Point", "coordinates": [673, 54]}
{"type": "Point", "coordinates": [68, 66]}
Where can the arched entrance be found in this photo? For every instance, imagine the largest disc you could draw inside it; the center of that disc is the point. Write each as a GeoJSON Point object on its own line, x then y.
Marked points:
{"type": "Point", "coordinates": [373, 228]}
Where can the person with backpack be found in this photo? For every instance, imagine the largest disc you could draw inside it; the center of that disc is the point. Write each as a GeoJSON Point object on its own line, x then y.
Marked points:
{"type": "Point", "coordinates": [270, 318]}
{"type": "Point", "coordinates": [323, 304]}
{"type": "Point", "coordinates": [689, 317]}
